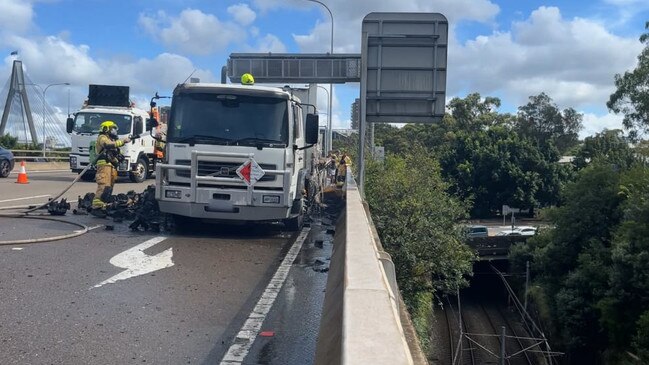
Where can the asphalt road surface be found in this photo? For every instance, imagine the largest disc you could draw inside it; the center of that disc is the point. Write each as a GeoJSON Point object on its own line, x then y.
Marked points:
{"type": "Point", "coordinates": [122, 297]}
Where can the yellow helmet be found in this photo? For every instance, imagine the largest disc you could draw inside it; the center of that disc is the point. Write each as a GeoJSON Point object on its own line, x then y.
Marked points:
{"type": "Point", "coordinates": [247, 79]}
{"type": "Point", "coordinates": [105, 126]}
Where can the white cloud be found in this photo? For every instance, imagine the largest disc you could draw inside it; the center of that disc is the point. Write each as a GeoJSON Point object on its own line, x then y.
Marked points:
{"type": "Point", "coordinates": [75, 65]}
{"type": "Point", "coordinates": [573, 61]}
{"type": "Point", "coordinates": [348, 17]}
{"type": "Point", "coordinates": [192, 31]}
{"type": "Point", "coordinates": [269, 43]}
{"type": "Point", "coordinates": [242, 14]}
{"type": "Point", "coordinates": [15, 15]}
{"type": "Point", "coordinates": [596, 123]}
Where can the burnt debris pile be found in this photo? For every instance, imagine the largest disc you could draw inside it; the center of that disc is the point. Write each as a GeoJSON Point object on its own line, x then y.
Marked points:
{"type": "Point", "coordinates": [141, 208]}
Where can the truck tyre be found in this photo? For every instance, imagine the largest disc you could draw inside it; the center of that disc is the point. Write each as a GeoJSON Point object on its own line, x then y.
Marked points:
{"type": "Point", "coordinates": [295, 224]}
{"type": "Point", "coordinates": [88, 176]}
{"type": "Point", "coordinates": [141, 171]}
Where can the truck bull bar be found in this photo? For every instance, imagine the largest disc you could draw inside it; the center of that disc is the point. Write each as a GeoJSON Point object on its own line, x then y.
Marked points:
{"type": "Point", "coordinates": [162, 169]}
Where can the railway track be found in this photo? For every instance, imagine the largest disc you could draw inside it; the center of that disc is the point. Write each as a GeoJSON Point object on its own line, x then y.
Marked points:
{"type": "Point", "coordinates": [523, 344]}
{"type": "Point", "coordinates": [483, 316]}
{"type": "Point", "coordinates": [446, 348]}
{"type": "Point", "coordinates": [513, 343]}
{"type": "Point", "coordinates": [466, 347]}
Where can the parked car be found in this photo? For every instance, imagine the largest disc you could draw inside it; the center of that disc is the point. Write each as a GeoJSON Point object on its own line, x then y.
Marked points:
{"type": "Point", "coordinates": [526, 230]}
{"type": "Point", "coordinates": [509, 232]}
{"type": "Point", "coordinates": [6, 162]}
{"type": "Point", "coordinates": [477, 231]}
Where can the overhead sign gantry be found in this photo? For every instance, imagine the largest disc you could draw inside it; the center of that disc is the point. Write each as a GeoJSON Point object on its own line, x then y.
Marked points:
{"type": "Point", "coordinates": [296, 68]}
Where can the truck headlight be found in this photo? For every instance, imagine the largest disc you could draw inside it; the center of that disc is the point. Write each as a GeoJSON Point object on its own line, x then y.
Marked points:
{"type": "Point", "coordinates": [270, 199]}
{"type": "Point", "coordinates": [174, 194]}
{"type": "Point", "coordinates": [123, 165]}
{"type": "Point", "coordinates": [73, 162]}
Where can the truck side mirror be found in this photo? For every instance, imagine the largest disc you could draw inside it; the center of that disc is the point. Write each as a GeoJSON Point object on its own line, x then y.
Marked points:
{"type": "Point", "coordinates": [69, 125]}
{"type": "Point", "coordinates": [151, 123]}
{"type": "Point", "coordinates": [312, 126]}
{"type": "Point", "coordinates": [137, 126]}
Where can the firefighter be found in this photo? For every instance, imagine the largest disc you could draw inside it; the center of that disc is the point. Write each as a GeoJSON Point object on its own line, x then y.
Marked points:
{"type": "Point", "coordinates": [108, 158]}
{"type": "Point", "coordinates": [331, 167]}
{"type": "Point", "coordinates": [341, 173]}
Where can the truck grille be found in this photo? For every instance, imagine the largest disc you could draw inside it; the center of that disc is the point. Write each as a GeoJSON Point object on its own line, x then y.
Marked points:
{"type": "Point", "coordinates": [83, 150]}
{"type": "Point", "coordinates": [221, 169]}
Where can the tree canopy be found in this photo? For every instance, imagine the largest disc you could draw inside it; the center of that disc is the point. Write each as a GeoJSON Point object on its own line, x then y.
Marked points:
{"type": "Point", "coordinates": [631, 97]}
{"type": "Point", "coordinates": [542, 121]}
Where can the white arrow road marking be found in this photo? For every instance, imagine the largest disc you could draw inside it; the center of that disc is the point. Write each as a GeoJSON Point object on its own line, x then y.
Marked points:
{"type": "Point", "coordinates": [137, 263]}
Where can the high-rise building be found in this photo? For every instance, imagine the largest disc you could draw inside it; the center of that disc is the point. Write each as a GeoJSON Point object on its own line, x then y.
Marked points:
{"type": "Point", "coordinates": [356, 116]}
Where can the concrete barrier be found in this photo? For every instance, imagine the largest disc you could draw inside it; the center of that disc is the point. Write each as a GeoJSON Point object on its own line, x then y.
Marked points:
{"type": "Point", "coordinates": [41, 166]}
{"type": "Point", "coordinates": [361, 322]}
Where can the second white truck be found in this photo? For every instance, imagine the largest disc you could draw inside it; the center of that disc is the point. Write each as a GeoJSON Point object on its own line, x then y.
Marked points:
{"type": "Point", "coordinates": [104, 103]}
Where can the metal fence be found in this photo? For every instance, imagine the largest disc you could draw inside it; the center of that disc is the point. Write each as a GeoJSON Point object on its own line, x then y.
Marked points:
{"type": "Point", "coordinates": [37, 155]}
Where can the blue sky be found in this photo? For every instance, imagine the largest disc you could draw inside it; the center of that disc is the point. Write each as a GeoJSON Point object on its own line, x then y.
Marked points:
{"type": "Point", "coordinates": [511, 49]}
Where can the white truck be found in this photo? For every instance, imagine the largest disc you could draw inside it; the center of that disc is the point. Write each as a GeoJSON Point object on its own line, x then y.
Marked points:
{"type": "Point", "coordinates": [107, 102]}
{"type": "Point", "coordinates": [236, 153]}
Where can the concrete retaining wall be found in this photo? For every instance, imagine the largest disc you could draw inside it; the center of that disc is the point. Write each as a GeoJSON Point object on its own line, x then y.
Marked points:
{"type": "Point", "coordinates": [361, 321]}
{"type": "Point", "coordinates": [41, 166]}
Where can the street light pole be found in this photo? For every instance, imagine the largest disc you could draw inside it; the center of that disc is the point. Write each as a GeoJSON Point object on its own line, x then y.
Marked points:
{"type": "Point", "coordinates": [328, 137]}
{"type": "Point", "coordinates": [328, 125]}
{"type": "Point", "coordinates": [44, 111]}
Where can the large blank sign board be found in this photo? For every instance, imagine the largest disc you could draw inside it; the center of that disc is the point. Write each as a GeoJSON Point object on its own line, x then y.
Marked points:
{"type": "Point", "coordinates": [404, 59]}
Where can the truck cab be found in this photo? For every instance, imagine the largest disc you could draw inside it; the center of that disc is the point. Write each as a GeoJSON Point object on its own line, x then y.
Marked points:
{"type": "Point", "coordinates": [105, 103]}
{"type": "Point", "coordinates": [215, 134]}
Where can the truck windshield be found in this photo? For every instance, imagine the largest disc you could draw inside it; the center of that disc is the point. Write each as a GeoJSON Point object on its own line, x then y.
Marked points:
{"type": "Point", "coordinates": [228, 119]}
{"type": "Point", "coordinates": [90, 122]}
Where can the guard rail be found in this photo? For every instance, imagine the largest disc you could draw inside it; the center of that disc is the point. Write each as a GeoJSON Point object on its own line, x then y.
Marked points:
{"type": "Point", "coordinates": [37, 155]}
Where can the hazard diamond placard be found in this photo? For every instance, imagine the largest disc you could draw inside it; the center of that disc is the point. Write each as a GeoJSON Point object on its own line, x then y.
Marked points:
{"type": "Point", "coordinates": [250, 172]}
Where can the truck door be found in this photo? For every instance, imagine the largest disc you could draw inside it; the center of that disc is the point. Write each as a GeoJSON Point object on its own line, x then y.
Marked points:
{"type": "Point", "coordinates": [298, 133]}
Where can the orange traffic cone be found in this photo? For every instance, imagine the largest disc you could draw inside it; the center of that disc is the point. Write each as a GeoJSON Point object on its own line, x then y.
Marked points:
{"type": "Point", "coordinates": [22, 175]}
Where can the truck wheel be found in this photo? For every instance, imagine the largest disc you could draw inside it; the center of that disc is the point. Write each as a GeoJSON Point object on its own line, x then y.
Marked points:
{"type": "Point", "coordinates": [88, 176]}
{"type": "Point", "coordinates": [295, 224]}
{"type": "Point", "coordinates": [141, 171]}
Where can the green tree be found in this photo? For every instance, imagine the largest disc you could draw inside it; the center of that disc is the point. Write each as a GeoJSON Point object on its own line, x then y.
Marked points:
{"type": "Point", "coordinates": [629, 279]}
{"type": "Point", "coordinates": [9, 142]}
{"type": "Point", "coordinates": [417, 222]}
{"type": "Point", "coordinates": [632, 96]}
{"type": "Point", "coordinates": [475, 113]}
{"type": "Point", "coordinates": [541, 120]}
{"type": "Point", "coordinates": [609, 146]}
{"type": "Point", "coordinates": [596, 260]}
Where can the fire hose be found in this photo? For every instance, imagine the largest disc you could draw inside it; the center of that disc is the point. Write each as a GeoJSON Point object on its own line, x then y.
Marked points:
{"type": "Point", "coordinates": [28, 213]}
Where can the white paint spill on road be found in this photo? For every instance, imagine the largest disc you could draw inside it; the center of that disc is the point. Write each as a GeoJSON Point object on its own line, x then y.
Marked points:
{"type": "Point", "coordinates": [17, 248]}
{"type": "Point", "coordinates": [25, 198]}
{"type": "Point", "coordinates": [137, 263]}
{"type": "Point", "coordinates": [248, 333]}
